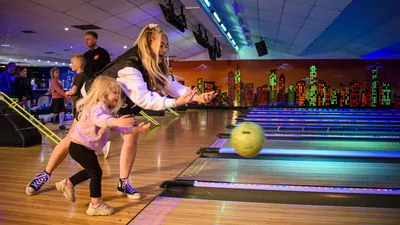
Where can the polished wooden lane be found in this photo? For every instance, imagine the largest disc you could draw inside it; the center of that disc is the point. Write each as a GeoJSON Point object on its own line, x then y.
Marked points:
{"type": "Point", "coordinates": [310, 144]}
{"type": "Point", "coordinates": [164, 152]}
{"type": "Point", "coordinates": [172, 211]}
{"type": "Point", "coordinates": [326, 172]}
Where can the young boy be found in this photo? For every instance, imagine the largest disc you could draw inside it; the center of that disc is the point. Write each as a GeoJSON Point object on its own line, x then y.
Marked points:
{"type": "Point", "coordinates": [77, 65]}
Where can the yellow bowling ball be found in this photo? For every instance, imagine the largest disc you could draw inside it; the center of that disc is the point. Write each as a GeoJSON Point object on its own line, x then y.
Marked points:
{"type": "Point", "coordinates": [247, 139]}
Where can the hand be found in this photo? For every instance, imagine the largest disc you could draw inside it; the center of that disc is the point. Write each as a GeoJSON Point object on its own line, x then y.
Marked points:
{"type": "Point", "coordinates": [205, 97]}
{"type": "Point", "coordinates": [124, 121]}
{"type": "Point", "coordinates": [187, 97]}
{"type": "Point", "coordinates": [141, 128]}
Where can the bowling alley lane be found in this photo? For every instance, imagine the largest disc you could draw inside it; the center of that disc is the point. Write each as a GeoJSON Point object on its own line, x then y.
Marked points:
{"type": "Point", "coordinates": [316, 172]}
{"type": "Point", "coordinates": [313, 147]}
{"type": "Point", "coordinates": [324, 130]}
{"type": "Point", "coordinates": [323, 116]}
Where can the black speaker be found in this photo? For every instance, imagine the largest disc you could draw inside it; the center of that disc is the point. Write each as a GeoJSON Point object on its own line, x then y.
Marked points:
{"type": "Point", "coordinates": [261, 48]}
{"type": "Point", "coordinates": [212, 53]}
{"type": "Point", "coordinates": [16, 131]}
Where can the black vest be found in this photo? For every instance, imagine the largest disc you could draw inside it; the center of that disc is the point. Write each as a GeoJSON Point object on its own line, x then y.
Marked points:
{"type": "Point", "coordinates": [130, 58]}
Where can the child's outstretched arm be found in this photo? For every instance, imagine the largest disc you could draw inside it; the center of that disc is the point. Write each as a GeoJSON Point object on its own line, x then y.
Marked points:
{"type": "Point", "coordinates": [103, 119]}
{"type": "Point", "coordinates": [141, 128]}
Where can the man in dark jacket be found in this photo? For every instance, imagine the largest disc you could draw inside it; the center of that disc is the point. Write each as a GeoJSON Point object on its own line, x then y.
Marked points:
{"type": "Point", "coordinates": [96, 57]}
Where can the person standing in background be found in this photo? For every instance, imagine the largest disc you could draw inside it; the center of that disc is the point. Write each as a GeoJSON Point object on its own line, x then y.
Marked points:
{"type": "Point", "coordinates": [77, 65]}
{"type": "Point", "coordinates": [59, 99]}
{"type": "Point", "coordinates": [96, 57]}
{"type": "Point", "coordinates": [23, 89]}
{"type": "Point", "coordinates": [7, 79]}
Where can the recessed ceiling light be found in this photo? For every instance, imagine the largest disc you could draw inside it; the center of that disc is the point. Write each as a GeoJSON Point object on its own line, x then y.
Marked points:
{"type": "Point", "coordinates": [10, 59]}
{"type": "Point", "coordinates": [66, 29]}
{"type": "Point", "coordinates": [48, 61]}
{"type": "Point", "coordinates": [38, 60]}
{"type": "Point", "coordinates": [192, 7]}
{"type": "Point", "coordinates": [125, 47]}
{"type": "Point", "coordinates": [70, 46]}
{"type": "Point", "coordinates": [25, 59]}
{"type": "Point", "coordinates": [63, 63]}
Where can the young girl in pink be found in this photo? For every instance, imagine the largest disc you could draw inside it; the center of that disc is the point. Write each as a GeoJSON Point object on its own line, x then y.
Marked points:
{"type": "Point", "coordinates": [96, 119]}
{"type": "Point", "coordinates": [59, 99]}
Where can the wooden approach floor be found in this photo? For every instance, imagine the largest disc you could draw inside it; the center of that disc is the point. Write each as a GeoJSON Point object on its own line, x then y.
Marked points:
{"type": "Point", "coordinates": [164, 152]}
{"type": "Point", "coordinates": [173, 211]}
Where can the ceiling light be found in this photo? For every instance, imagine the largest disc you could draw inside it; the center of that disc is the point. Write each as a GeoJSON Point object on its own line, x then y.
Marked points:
{"type": "Point", "coordinates": [48, 61]}
{"type": "Point", "coordinates": [223, 27]}
{"type": "Point", "coordinates": [125, 47]}
{"type": "Point", "coordinates": [63, 63]}
{"type": "Point", "coordinates": [25, 59]}
{"type": "Point", "coordinates": [38, 60]}
{"type": "Point", "coordinates": [66, 29]}
{"type": "Point", "coordinates": [216, 17]}
{"type": "Point", "coordinates": [219, 22]}
{"type": "Point", "coordinates": [56, 62]}
{"type": "Point", "coordinates": [5, 45]}
{"type": "Point", "coordinates": [192, 7]}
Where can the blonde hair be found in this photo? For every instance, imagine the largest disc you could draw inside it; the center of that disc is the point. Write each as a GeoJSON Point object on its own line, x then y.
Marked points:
{"type": "Point", "coordinates": [158, 71]}
{"type": "Point", "coordinates": [54, 69]}
{"type": "Point", "coordinates": [81, 59]}
{"type": "Point", "coordinates": [98, 91]}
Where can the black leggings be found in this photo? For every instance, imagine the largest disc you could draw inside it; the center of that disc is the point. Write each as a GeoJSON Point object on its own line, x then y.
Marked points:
{"type": "Point", "coordinates": [87, 158]}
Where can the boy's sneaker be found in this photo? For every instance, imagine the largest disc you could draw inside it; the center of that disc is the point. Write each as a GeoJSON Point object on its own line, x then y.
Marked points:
{"type": "Point", "coordinates": [106, 149]}
{"type": "Point", "coordinates": [124, 188]}
{"type": "Point", "coordinates": [63, 127]}
{"type": "Point", "coordinates": [67, 190]}
{"type": "Point", "coordinates": [101, 209]}
{"type": "Point", "coordinates": [37, 182]}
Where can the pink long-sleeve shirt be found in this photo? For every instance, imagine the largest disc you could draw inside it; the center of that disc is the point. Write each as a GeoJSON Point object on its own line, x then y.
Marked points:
{"type": "Point", "coordinates": [94, 126]}
{"type": "Point", "coordinates": [56, 88]}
